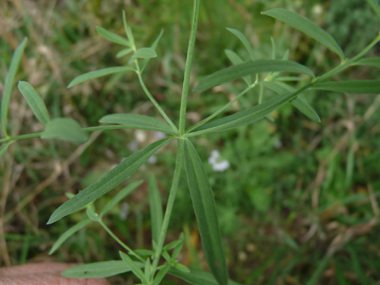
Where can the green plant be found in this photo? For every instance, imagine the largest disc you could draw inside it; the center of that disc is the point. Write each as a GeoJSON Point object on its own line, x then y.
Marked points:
{"type": "Point", "coordinates": [187, 157]}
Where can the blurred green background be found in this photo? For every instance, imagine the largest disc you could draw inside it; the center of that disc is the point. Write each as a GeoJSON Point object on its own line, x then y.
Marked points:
{"type": "Point", "coordinates": [297, 204]}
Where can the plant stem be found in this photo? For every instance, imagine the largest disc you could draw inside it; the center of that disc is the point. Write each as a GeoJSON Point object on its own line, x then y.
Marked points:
{"type": "Point", "coordinates": [189, 61]}
{"type": "Point", "coordinates": [119, 241]}
{"type": "Point", "coordinates": [152, 98]}
{"type": "Point", "coordinates": [221, 109]}
{"type": "Point", "coordinates": [169, 207]}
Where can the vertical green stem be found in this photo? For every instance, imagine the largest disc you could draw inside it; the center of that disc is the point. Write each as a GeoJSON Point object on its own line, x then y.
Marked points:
{"type": "Point", "coordinates": [169, 207]}
{"type": "Point", "coordinates": [189, 61]}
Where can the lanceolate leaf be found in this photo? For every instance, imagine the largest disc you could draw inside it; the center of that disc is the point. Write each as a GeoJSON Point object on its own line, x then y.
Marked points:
{"type": "Point", "coordinates": [124, 52]}
{"type": "Point", "coordinates": [306, 26]}
{"type": "Point", "coordinates": [352, 87]}
{"type": "Point", "coordinates": [205, 212]}
{"type": "Point", "coordinates": [160, 275]}
{"type": "Point", "coordinates": [156, 212]}
{"type": "Point", "coordinates": [112, 37]}
{"type": "Point", "coordinates": [299, 102]}
{"type": "Point", "coordinates": [244, 40]}
{"type": "Point", "coordinates": [108, 181]}
{"type": "Point", "coordinates": [99, 73]}
{"type": "Point", "coordinates": [135, 121]}
{"type": "Point", "coordinates": [375, 6]}
{"type": "Point", "coordinates": [375, 62]}
{"type": "Point", "coordinates": [245, 117]}
{"type": "Point", "coordinates": [153, 46]}
{"type": "Point", "coordinates": [249, 68]}
{"type": "Point", "coordinates": [34, 101]}
{"type": "Point", "coordinates": [98, 269]}
{"type": "Point", "coordinates": [68, 234]}
{"type": "Point", "coordinates": [145, 53]}
{"type": "Point", "coordinates": [8, 86]}
{"type": "Point", "coordinates": [235, 59]}
{"type": "Point", "coordinates": [65, 129]}
{"type": "Point", "coordinates": [120, 196]}
{"type": "Point", "coordinates": [134, 266]}
{"type": "Point", "coordinates": [197, 277]}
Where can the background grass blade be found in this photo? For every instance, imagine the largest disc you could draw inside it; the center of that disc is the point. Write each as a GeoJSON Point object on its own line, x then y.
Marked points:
{"type": "Point", "coordinates": [375, 6]}
{"type": "Point", "coordinates": [135, 121]}
{"type": "Point", "coordinates": [244, 40]}
{"type": "Point", "coordinates": [197, 277]}
{"type": "Point", "coordinates": [156, 212]}
{"type": "Point", "coordinates": [68, 234]}
{"type": "Point", "coordinates": [98, 73]}
{"type": "Point", "coordinates": [112, 37]}
{"type": "Point", "coordinates": [65, 129]}
{"type": "Point", "coordinates": [3, 148]}
{"type": "Point", "coordinates": [8, 86]}
{"type": "Point", "coordinates": [98, 269]}
{"type": "Point", "coordinates": [299, 102]}
{"type": "Point", "coordinates": [145, 53]}
{"type": "Point", "coordinates": [120, 196]}
{"type": "Point", "coordinates": [108, 181]}
{"type": "Point", "coordinates": [205, 212]}
{"type": "Point", "coordinates": [249, 68]}
{"type": "Point", "coordinates": [306, 26]}
{"type": "Point", "coordinates": [352, 87]}
{"type": "Point", "coordinates": [35, 102]}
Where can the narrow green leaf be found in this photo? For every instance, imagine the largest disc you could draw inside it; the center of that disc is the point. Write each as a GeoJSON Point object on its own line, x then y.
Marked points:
{"type": "Point", "coordinates": [306, 26]}
{"type": "Point", "coordinates": [135, 121]}
{"type": "Point", "coordinates": [98, 269]}
{"type": "Point", "coordinates": [205, 212]}
{"type": "Point", "coordinates": [144, 52]}
{"type": "Point", "coordinates": [65, 129]}
{"type": "Point", "coordinates": [299, 102]}
{"type": "Point", "coordinates": [197, 277]}
{"type": "Point", "coordinates": [182, 268]}
{"type": "Point", "coordinates": [156, 212]}
{"type": "Point", "coordinates": [144, 252]}
{"type": "Point", "coordinates": [99, 73]}
{"type": "Point", "coordinates": [245, 117]}
{"type": "Point", "coordinates": [244, 40]}
{"type": "Point", "coordinates": [3, 148]}
{"type": "Point", "coordinates": [120, 196]}
{"type": "Point", "coordinates": [147, 269]}
{"type": "Point", "coordinates": [108, 181]}
{"type": "Point", "coordinates": [375, 62]}
{"type": "Point", "coordinates": [128, 30]}
{"type": "Point", "coordinates": [112, 37]}
{"type": "Point", "coordinates": [8, 85]}
{"type": "Point", "coordinates": [68, 234]}
{"type": "Point", "coordinates": [34, 101]}
{"type": "Point", "coordinates": [160, 275]}
{"type": "Point", "coordinates": [174, 244]}
{"type": "Point", "coordinates": [249, 68]}
{"type": "Point", "coordinates": [133, 266]}
{"type": "Point", "coordinates": [375, 6]}
{"type": "Point", "coordinates": [153, 46]}
{"type": "Point", "coordinates": [178, 248]}
{"type": "Point", "coordinates": [124, 52]}
{"type": "Point", "coordinates": [352, 87]}
{"type": "Point", "coordinates": [235, 59]}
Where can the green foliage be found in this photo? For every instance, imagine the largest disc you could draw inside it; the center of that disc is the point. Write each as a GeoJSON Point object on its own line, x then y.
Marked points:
{"type": "Point", "coordinates": [244, 148]}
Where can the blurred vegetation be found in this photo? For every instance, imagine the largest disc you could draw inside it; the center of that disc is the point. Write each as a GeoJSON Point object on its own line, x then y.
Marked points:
{"type": "Point", "coordinates": [297, 204]}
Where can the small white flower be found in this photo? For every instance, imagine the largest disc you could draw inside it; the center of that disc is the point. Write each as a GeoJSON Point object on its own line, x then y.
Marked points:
{"type": "Point", "coordinates": [218, 164]}
{"type": "Point", "coordinates": [159, 135]}
{"type": "Point", "coordinates": [152, 160]}
{"type": "Point", "coordinates": [124, 211]}
{"type": "Point", "coordinates": [133, 145]}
